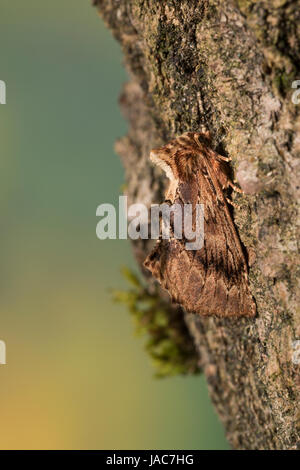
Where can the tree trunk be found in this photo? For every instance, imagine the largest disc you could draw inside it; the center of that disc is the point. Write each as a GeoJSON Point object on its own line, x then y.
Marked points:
{"type": "Point", "coordinates": [228, 67]}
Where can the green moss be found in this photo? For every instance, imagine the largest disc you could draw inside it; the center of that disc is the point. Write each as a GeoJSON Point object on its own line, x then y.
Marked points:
{"type": "Point", "coordinates": [283, 81]}
{"type": "Point", "coordinates": [168, 341]}
{"type": "Point", "coordinates": [244, 5]}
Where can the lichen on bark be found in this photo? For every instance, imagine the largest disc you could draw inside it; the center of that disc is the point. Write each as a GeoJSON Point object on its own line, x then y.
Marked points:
{"type": "Point", "coordinates": [228, 67]}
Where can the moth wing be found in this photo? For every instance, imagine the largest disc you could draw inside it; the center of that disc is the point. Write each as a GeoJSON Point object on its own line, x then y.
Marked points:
{"type": "Point", "coordinates": [212, 280]}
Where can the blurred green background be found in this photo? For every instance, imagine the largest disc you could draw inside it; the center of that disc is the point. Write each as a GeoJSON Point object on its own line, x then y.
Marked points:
{"type": "Point", "coordinates": [76, 376]}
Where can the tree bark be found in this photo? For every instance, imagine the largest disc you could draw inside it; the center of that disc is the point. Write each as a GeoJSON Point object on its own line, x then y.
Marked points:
{"type": "Point", "coordinates": [228, 67]}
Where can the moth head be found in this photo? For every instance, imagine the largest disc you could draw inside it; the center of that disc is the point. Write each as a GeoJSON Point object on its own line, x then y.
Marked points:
{"type": "Point", "coordinates": [166, 162]}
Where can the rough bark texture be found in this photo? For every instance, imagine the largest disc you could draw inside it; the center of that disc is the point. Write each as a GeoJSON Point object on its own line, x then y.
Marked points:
{"type": "Point", "coordinates": [228, 67]}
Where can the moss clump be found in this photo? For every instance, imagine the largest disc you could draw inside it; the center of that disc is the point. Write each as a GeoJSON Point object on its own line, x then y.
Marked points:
{"type": "Point", "coordinates": [168, 342]}
{"type": "Point", "coordinates": [282, 81]}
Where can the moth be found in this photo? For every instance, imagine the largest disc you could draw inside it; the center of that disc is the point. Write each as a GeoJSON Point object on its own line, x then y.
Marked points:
{"type": "Point", "coordinates": [214, 279]}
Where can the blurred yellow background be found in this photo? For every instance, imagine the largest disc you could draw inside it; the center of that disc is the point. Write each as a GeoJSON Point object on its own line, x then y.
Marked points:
{"type": "Point", "coordinates": [76, 376]}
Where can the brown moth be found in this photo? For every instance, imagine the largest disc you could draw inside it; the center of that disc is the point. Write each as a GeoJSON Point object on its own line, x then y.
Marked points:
{"type": "Point", "coordinates": [214, 279]}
